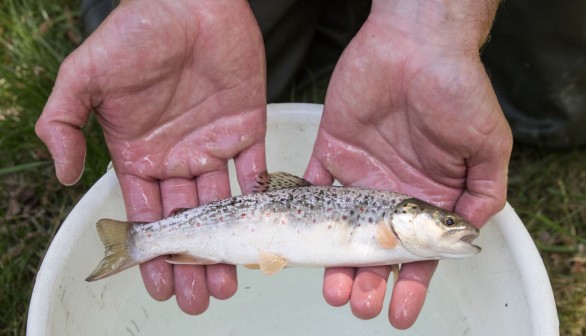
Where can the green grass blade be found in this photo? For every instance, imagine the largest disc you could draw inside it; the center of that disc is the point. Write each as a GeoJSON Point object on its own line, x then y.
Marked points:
{"type": "Point", "coordinates": [22, 167]}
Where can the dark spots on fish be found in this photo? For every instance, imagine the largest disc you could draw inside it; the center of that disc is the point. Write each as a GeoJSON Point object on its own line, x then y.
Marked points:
{"type": "Point", "coordinates": [393, 202]}
{"type": "Point", "coordinates": [351, 212]}
{"type": "Point", "coordinates": [361, 209]}
{"type": "Point", "coordinates": [251, 229]}
{"type": "Point", "coordinates": [404, 211]}
{"type": "Point", "coordinates": [344, 217]}
{"type": "Point", "coordinates": [347, 200]}
{"type": "Point", "coordinates": [243, 215]}
{"type": "Point", "coordinates": [329, 226]}
{"type": "Point", "coordinates": [283, 222]}
{"type": "Point", "coordinates": [414, 207]}
{"type": "Point", "coordinates": [314, 221]}
{"type": "Point", "coordinates": [370, 219]}
{"type": "Point", "coordinates": [299, 211]}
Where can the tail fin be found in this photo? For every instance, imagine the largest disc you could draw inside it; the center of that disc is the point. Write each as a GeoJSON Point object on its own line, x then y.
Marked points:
{"type": "Point", "coordinates": [113, 234]}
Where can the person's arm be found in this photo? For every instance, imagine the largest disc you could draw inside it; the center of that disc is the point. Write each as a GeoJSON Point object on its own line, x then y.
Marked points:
{"type": "Point", "coordinates": [179, 89]}
{"type": "Point", "coordinates": [410, 108]}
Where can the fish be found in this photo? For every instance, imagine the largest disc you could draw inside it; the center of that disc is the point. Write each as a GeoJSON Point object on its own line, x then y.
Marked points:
{"type": "Point", "coordinates": [288, 222]}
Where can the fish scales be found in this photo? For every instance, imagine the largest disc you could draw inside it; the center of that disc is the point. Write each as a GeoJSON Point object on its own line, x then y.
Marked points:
{"type": "Point", "coordinates": [307, 226]}
{"type": "Point", "coordinates": [279, 222]}
{"type": "Point", "coordinates": [298, 203]}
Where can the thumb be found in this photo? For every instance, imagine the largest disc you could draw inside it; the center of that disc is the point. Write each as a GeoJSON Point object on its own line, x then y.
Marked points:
{"type": "Point", "coordinates": [486, 185]}
{"type": "Point", "coordinates": [59, 126]}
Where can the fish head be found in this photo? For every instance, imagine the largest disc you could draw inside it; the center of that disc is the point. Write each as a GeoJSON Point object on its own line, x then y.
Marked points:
{"type": "Point", "coordinates": [431, 232]}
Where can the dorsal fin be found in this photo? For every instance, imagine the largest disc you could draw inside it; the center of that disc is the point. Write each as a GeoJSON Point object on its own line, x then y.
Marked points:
{"type": "Point", "coordinates": [276, 181]}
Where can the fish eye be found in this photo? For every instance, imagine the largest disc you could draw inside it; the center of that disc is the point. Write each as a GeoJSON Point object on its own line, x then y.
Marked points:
{"type": "Point", "coordinates": [450, 221]}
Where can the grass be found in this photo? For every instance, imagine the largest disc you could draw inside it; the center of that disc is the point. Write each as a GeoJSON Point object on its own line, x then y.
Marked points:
{"type": "Point", "coordinates": [547, 188]}
{"type": "Point", "coordinates": [34, 38]}
{"type": "Point", "coordinates": [548, 191]}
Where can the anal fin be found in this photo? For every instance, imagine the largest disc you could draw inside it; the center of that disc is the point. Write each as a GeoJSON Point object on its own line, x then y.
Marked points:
{"type": "Point", "coordinates": [395, 270]}
{"type": "Point", "coordinates": [184, 259]}
{"type": "Point", "coordinates": [270, 263]}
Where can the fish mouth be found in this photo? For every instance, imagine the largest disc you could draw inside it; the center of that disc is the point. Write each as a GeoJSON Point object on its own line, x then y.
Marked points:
{"type": "Point", "coordinates": [462, 243]}
{"type": "Point", "coordinates": [469, 238]}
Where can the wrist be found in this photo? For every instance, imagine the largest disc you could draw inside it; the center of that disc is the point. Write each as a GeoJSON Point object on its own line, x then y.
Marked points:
{"type": "Point", "coordinates": [445, 23]}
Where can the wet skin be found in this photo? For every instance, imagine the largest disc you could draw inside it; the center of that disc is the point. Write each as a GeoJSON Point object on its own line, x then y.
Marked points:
{"type": "Point", "coordinates": [415, 114]}
{"type": "Point", "coordinates": [175, 103]}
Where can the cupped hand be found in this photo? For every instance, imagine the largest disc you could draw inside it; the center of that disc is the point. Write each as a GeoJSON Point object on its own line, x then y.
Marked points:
{"type": "Point", "coordinates": [179, 89]}
{"type": "Point", "coordinates": [415, 116]}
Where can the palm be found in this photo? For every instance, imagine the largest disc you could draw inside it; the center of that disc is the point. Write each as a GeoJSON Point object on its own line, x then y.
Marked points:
{"type": "Point", "coordinates": [170, 87]}
{"type": "Point", "coordinates": [179, 89]}
{"type": "Point", "coordinates": [404, 116]}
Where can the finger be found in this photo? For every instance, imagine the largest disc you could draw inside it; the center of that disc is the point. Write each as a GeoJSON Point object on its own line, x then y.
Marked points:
{"type": "Point", "coordinates": [316, 173]}
{"type": "Point", "coordinates": [409, 293]}
{"type": "Point", "coordinates": [143, 204]}
{"type": "Point", "coordinates": [191, 290]}
{"type": "Point", "coordinates": [178, 193]}
{"type": "Point", "coordinates": [59, 126]}
{"type": "Point", "coordinates": [337, 285]}
{"type": "Point", "coordinates": [189, 286]}
{"type": "Point", "coordinates": [157, 275]}
{"type": "Point", "coordinates": [249, 164]}
{"type": "Point", "coordinates": [222, 281]}
{"type": "Point", "coordinates": [368, 291]}
{"type": "Point", "coordinates": [486, 181]}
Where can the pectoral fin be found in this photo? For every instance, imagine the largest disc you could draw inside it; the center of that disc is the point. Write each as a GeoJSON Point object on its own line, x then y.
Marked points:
{"type": "Point", "coordinates": [271, 263]}
{"type": "Point", "coordinates": [385, 236]}
{"type": "Point", "coordinates": [184, 259]}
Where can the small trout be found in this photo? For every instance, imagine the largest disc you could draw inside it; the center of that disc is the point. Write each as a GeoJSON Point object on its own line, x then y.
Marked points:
{"type": "Point", "coordinates": [289, 222]}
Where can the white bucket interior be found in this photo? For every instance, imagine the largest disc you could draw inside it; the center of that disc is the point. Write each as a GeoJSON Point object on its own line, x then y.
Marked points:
{"type": "Point", "coordinates": [502, 291]}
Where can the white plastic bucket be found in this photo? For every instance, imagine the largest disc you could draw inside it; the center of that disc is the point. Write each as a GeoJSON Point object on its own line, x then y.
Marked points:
{"type": "Point", "coordinates": [504, 290]}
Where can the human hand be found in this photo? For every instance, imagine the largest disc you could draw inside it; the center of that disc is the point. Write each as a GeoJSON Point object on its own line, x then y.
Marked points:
{"type": "Point", "coordinates": [179, 89]}
{"type": "Point", "coordinates": [410, 108]}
